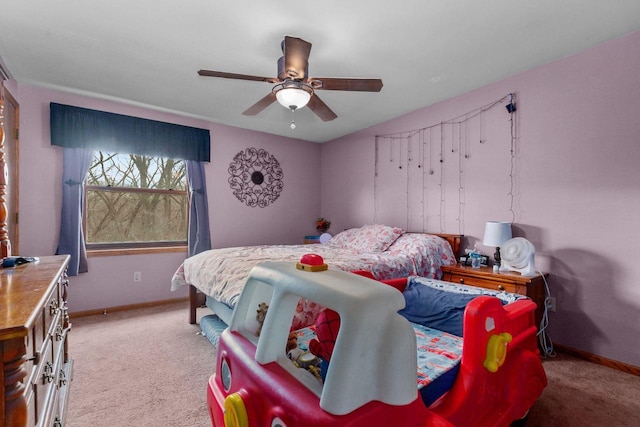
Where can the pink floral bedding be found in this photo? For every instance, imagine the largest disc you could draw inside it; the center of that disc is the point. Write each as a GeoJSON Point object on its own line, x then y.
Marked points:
{"type": "Point", "coordinates": [221, 273]}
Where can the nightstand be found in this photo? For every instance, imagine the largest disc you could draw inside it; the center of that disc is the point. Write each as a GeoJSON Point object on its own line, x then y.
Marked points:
{"type": "Point", "coordinates": [484, 277]}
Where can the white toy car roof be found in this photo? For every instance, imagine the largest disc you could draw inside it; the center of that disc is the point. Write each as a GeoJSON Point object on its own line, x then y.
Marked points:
{"type": "Point", "coordinates": [374, 358]}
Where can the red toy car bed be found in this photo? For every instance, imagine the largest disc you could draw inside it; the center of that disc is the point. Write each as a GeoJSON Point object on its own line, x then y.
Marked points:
{"type": "Point", "coordinates": [371, 379]}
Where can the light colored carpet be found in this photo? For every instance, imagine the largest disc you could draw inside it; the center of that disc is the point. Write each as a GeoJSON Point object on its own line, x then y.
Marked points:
{"type": "Point", "coordinates": [148, 367]}
{"type": "Point", "coordinates": [139, 368]}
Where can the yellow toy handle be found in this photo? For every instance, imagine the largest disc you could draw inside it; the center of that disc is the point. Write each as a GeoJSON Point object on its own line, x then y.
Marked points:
{"type": "Point", "coordinates": [497, 351]}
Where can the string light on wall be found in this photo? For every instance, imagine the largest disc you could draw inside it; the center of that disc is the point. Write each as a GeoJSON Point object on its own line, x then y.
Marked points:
{"type": "Point", "coordinates": [511, 108]}
{"type": "Point", "coordinates": [375, 179]}
{"type": "Point", "coordinates": [481, 131]}
{"type": "Point", "coordinates": [454, 135]}
{"type": "Point", "coordinates": [421, 155]}
{"type": "Point", "coordinates": [442, 201]}
{"type": "Point", "coordinates": [431, 171]}
{"type": "Point", "coordinates": [462, 154]}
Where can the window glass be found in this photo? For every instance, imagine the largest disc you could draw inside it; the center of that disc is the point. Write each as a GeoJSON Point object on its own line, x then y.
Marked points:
{"type": "Point", "coordinates": [134, 200]}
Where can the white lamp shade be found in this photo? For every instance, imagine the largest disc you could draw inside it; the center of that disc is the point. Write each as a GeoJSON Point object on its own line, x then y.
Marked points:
{"type": "Point", "coordinates": [496, 233]}
{"type": "Point", "coordinates": [293, 98]}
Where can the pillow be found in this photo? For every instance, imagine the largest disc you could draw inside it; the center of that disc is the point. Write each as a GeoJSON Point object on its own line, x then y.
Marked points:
{"type": "Point", "coordinates": [416, 243]}
{"type": "Point", "coordinates": [344, 239]}
{"type": "Point", "coordinates": [374, 238]}
{"type": "Point", "coordinates": [504, 296]}
{"type": "Point", "coordinates": [435, 308]}
{"type": "Point", "coordinates": [370, 238]}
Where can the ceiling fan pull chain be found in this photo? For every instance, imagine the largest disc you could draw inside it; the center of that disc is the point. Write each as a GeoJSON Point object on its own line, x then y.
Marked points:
{"type": "Point", "coordinates": [293, 117]}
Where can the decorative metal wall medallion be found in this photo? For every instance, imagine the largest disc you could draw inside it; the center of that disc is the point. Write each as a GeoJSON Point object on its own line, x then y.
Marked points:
{"type": "Point", "coordinates": [255, 177]}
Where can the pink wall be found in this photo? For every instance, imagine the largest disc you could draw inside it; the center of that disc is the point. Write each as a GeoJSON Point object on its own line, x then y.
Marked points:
{"type": "Point", "coordinates": [577, 182]}
{"type": "Point", "coordinates": [109, 282]}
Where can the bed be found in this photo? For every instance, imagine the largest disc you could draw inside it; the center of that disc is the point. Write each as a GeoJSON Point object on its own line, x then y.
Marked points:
{"type": "Point", "coordinates": [387, 252]}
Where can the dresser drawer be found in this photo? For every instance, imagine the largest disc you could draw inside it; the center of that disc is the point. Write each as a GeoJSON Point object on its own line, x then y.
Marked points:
{"type": "Point", "coordinates": [42, 379]}
{"type": "Point", "coordinates": [52, 311]}
{"type": "Point", "coordinates": [485, 283]}
{"type": "Point", "coordinates": [43, 327]}
{"type": "Point", "coordinates": [46, 393]}
{"type": "Point", "coordinates": [49, 400]}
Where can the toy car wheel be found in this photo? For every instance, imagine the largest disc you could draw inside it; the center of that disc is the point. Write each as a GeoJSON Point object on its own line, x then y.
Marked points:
{"type": "Point", "coordinates": [235, 413]}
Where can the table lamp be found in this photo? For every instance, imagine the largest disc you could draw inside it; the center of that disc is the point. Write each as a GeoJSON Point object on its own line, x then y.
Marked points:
{"type": "Point", "coordinates": [495, 234]}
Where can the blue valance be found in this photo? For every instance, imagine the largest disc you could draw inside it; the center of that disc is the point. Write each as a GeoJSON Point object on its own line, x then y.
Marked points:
{"type": "Point", "coordinates": [75, 127]}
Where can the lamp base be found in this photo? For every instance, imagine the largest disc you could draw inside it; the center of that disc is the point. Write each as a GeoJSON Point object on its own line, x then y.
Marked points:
{"type": "Point", "coordinates": [498, 259]}
{"type": "Point", "coordinates": [502, 267]}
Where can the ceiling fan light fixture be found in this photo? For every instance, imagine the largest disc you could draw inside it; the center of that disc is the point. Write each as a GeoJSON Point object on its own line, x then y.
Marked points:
{"type": "Point", "coordinates": [293, 88]}
{"type": "Point", "coordinates": [293, 95]}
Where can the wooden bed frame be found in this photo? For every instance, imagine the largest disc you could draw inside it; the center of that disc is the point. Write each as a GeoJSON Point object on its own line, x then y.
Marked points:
{"type": "Point", "coordinates": [197, 299]}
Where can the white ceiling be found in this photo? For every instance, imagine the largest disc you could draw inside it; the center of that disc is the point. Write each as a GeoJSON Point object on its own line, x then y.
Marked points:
{"type": "Point", "coordinates": [147, 52]}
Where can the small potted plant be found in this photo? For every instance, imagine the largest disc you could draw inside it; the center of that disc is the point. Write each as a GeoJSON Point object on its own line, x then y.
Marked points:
{"type": "Point", "coordinates": [322, 225]}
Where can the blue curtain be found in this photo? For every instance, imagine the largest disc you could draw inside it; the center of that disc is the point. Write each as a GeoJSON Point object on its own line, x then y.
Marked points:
{"type": "Point", "coordinates": [199, 236]}
{"type": "Point", "coordinates": [76, 127]}
{"type": "Point", "coordinates": [76, 162]}
{"type": "Point", "coordinates": [80, 131]}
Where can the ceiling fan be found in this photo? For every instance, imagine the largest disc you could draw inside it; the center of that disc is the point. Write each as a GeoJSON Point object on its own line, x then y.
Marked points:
{"type": "Point", "coordinates": [294, 88]}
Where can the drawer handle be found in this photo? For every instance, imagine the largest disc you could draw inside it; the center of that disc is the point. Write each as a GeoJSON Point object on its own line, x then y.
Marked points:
{"type": "Point", "coordinates": [63, 378]}
{"type": "Point", "coordinates": [462, 281]}
{"type": "Point", "coordinates": [47, 375]}
{"type": "Point", "coordinates": [35, 359]}
{"type": "Point", "coordinates": [501, 287]}
{"type": "Point", "coordinates": [61, 332]}
{"type": "Point", "coordinates": [57, 422]}
{"type": "Point", "coordinates": [53, 307]}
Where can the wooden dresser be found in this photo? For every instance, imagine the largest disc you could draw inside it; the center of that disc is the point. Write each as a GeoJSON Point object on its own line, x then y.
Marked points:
{"type": "Point", "coordinates": [34, 323]}
{"type": "Point", "coordinates": [484, 277]}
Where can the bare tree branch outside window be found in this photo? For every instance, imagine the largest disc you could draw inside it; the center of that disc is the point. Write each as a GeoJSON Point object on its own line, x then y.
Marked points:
{"type": "Point", "coordinates": [134, 200]}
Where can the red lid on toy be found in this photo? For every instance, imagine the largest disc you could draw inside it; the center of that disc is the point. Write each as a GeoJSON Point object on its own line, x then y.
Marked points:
{"type": "Point", "coordinates": [311, 262]}
{"type": "Point", "coordinates": [311, 259]}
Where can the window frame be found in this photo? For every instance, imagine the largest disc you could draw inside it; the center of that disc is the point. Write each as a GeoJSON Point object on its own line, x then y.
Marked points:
{"type": "Point", "coordinates": [118, 248]}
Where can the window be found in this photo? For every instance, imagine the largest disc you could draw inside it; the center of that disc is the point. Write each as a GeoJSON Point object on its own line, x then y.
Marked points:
{"type": "Point", "coordinates": [135, 201]}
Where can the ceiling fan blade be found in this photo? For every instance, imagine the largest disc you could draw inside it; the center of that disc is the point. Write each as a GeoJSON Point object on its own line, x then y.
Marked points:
{"type": "Point", "coordinates": [321, 109]}
{"type": "Point", "coordinates": [330, 83]}
{"type": "Point", "coordinates": [222, 74]}
{"type": "Point", "coordinates": [296, 58]}
{"type": "Point", "coordinates": [260, 105]}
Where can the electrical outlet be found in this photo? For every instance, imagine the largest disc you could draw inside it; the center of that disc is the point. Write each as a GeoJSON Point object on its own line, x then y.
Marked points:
{"type": "Point", "coordinates": [551, 303]}
{"type": "Point", "coordinates": [137, 276]}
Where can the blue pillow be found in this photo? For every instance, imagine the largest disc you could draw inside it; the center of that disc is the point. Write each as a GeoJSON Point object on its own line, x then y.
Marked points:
{"type": "Point", "coordinates": [435, 308]}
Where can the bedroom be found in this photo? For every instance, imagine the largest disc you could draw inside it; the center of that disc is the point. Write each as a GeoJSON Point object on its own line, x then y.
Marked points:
{"type": "Point", "coordinates": [578, 181]}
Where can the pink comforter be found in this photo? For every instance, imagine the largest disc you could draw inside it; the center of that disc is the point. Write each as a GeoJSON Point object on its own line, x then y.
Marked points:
{"type": "Point", "coordinates": [221, 273]}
